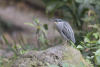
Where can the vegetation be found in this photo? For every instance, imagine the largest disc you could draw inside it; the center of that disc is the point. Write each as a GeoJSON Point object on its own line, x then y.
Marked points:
{"type": "Point", "coordinates": [41, 33]}
{"type": "Point", "coordinates": [84, 14]}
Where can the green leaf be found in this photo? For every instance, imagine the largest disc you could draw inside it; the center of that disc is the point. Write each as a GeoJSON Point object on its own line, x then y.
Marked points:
{"type": "Point", "coordinates": [97, 52]}
{"type": "Point", "coordinates": [52, 6]}
{"type": "Point", "coordinates": [19, 46]}
{"type": "Point", "coordinates": [44, 31]}
{"type": "Point", "coordinates": [88, 45]}
{"type": "Point", "coordinates": [80, 1]}
{"type": "Point", "coordinates": [42, 39]}
{"type": "Point", "coordinates": [98, 42]}
{"type": "Point", "coordinates": [86, 39]}
{"type": "Point", "coordinates": [80, 47]}
{"type": "Point", "coordinates": [86, 1]}
{"type": "Point", "coordinates": [36, 21]}
{"type": "Point", "coordinates": [65, 0]}
{"type": "Point", "coordinates": [45, 26]}
{"type": "Point", "coordinates": [22, 51]}
{"type": "Point", "coordinates": [88, 19]}
{"type": "Point", "coordinates": [90, 57]}
{"type": "Point", "coordinates": [97, 60]}
{"type": "Point", "coordinates": [97, 57]}
{"type": "Point", "coordinates": [94, 26]}
{"type": "Point", "coordinates": [30, 24]}
{"type": "Point", "coordinates": [96, 35]}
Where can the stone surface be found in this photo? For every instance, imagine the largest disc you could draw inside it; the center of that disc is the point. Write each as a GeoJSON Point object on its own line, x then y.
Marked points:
{"type": "Point", "coordinates": [58, 55]}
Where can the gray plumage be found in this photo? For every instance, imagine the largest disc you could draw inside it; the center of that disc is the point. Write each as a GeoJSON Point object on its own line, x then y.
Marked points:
{"type": "Point", "coordinates": [65, 30]}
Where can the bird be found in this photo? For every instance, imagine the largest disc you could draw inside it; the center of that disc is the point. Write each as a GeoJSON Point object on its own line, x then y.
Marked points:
{"type": "Point", "coordinates": [65, 29]}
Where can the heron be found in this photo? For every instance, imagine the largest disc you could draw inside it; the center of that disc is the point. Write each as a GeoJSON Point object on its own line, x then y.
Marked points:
{"type": "Point", "coordinates": [65, 29]}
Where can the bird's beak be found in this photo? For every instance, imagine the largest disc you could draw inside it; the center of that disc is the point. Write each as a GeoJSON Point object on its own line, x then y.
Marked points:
{"type": "Point", "coordinates": [55, 22]}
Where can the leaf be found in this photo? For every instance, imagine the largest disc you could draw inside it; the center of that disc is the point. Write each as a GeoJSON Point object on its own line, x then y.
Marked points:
{"type": "Point", "coordinates": [80, 1]}
{"type": "Point", "coordinates": [97, 2]}
{"type": "Point", "coordinates": [86, 1]}
{"type": "Point", "coordinates": [87, 45]}
{"type": "Point", "coordinates": [88, 19]}
{"type": "Point", "coordinates": [97, 60]}
{"type": "Point", "coordinates": [22, 51]}
{"type": "Point", "coordinates": [30, 24]}
{"type": "Point", "coordinates": [36, 21]}
{"type": "Point", "coordinates": [89, 58]}
{"type": "Point", "coordinates": [97, 52]}
{"type": "Point", "coordinates": [96, 35]}
{"type": "Point", "coordinates": [65, 0]}
{"type": "Point", "coordinates": [98, 42]}
{"type": "Point", "coordinates": [94, 26]}
{"type": "Point", "coordinates": [44, 31]}
{"type": "Point", "coordinates": [45, 26]}
{"type": "Point", "coordinates": [97, 57]}
{"type": "Point", "coordinates": [53, 5]}
{"type": "Point", "coordinates": [18, 46]}
{"type": "Point", "coordinates": [42, 39]}
{"type": "Point", "coordinates": [86, 39]}
{"type": "Point", "coordinates": [80, 47]}
{"type": "Point", "coordinates": [38, 27]}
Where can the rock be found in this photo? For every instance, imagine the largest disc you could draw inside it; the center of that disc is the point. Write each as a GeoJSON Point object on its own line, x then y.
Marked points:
{"type": "Point", "coordinates": [58, 55]}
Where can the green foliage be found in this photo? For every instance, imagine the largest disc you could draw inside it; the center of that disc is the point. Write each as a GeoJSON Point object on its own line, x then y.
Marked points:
{"type": "Point", "coordinates": [9, 46]}
{"type": "Point", "coordinates": [90, 47]}
{"type": "Point", "coordinates": [76, 11]}
{"type": "Point", "coordinates": [89, 62]}
{"type": "Point", "coordinates": [17, 49]}
{"type": "Point", "coordinates": [85, 15]}
{"type": "Point", "coordinates": [41, 32]}
{"type": "Point", "coordinates": [97, 57]}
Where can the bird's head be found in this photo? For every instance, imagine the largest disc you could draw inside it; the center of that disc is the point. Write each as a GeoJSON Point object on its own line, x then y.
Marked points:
{"type": "Point", "coordinates": [57, 21]}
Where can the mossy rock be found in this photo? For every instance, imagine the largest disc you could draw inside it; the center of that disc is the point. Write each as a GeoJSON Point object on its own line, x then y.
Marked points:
{"type": "Point", "coordinates": [58, 56]}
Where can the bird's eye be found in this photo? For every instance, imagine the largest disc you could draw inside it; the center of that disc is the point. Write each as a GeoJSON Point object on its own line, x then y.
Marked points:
{"type": "Point", "coordinates": [58, 20]}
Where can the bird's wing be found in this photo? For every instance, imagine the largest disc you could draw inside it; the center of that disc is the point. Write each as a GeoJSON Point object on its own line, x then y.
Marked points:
{"type": "Point", "coordinates": [68, 32]}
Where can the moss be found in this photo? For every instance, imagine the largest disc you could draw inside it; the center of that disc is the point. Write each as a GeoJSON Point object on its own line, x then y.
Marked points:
{"type": "Point", "coordinates": [58, 56]}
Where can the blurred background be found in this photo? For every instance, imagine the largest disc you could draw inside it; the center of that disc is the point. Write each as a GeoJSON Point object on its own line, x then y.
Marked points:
{"type": "Point", "coordinates": [25, 25]}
